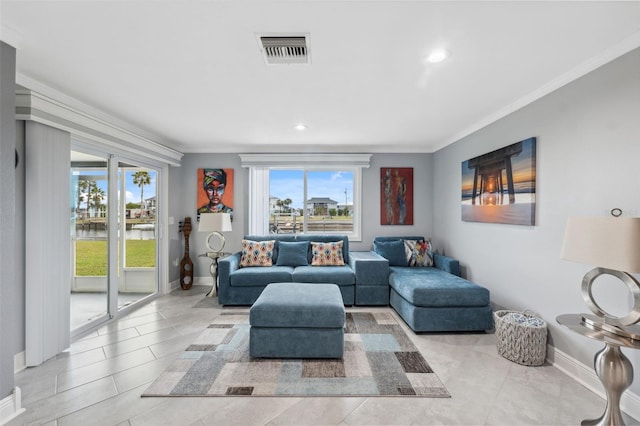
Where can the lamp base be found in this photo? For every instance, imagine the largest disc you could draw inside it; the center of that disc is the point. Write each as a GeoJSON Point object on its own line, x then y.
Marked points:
{"type": "Point", "coordinates": [603, 321]}
{"type": "Point", "coordinates": [215, 242]}
{"type": "Point", "coordinates": [615, 372]}
{"type": "Point", "coordinates": [597, 323]}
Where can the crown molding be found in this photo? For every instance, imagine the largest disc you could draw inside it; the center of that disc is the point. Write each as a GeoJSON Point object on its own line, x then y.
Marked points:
{"type": "Point", "coordinates": [10, 36]}
{"type": "Point", "coordinates": [37, 102]}
{"type": "Point", "coordinates": [625, 46]}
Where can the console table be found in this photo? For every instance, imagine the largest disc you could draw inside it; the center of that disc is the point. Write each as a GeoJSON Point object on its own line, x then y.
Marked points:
{"type": "Point", "coordinates": [213, 269]}
{"type": "Point", "coordinates": [612, 367]}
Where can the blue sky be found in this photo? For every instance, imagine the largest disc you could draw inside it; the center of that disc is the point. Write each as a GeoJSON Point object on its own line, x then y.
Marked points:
{"type": "Point", "coordinates": [290, 184]}
{"type": "Point", "coordinates": [132, 190]}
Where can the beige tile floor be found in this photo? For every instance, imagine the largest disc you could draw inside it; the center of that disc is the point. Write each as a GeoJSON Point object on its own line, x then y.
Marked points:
{"type": "Point", "coordinates": [98, 381]}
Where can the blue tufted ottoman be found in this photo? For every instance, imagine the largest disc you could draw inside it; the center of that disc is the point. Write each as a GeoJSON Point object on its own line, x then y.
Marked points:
{"type": "Point", "coordinates": [296, 320]}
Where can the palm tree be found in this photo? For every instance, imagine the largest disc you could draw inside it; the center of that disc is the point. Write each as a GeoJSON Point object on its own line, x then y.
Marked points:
{"type": "Point", "coordinates": [83, 187]}
{"type": "Point", "coordinates": [284, 205]}
{"type": "Point", "coordinates": [141, 178]}
{"type": "Point", "coordinates": [287, 203]}
{"type": "Point", "coordinates": [96, 195]}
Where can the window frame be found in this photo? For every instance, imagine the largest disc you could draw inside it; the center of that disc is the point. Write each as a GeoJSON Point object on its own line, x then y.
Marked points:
{"type": "Point", "coordinates": [356, 172]}
{"type": "Point", "coordinates": [260, 165]}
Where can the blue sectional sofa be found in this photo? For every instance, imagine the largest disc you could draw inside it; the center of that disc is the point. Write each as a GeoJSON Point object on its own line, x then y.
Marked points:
{"type": "Point", "coordinates": [243, 285]}
{"type": "Point", "coordinates": [431, 298]}
{"type": "Point", "coordinates": [434, 298]}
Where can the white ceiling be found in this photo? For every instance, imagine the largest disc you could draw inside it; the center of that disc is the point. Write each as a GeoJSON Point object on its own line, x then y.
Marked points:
{"type": "Point", "coordinates": [191, 74]}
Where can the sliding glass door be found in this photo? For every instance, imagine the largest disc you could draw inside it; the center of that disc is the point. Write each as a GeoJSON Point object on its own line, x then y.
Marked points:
{"type": "Point", "coordinates": [114, 244]}
{"type": "Point", "coordinates": [89, 239]}
{"type": "Point", "coordinates": [137, 225]}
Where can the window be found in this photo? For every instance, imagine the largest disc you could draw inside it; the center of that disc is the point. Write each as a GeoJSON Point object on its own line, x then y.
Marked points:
{"type": "Point", "coordinates": [305, 194]}
{"type": "Point", "coordinates": [311, 201]}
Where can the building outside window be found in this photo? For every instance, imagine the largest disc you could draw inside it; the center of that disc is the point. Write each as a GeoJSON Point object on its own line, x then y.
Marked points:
{"type": "Point", "coordinates": [320, 212]}
{"type": "Point", "coordinates": [296, 193]}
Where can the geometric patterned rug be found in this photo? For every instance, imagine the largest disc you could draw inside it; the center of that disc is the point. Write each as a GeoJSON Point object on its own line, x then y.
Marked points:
{"type": "Point", "coordinates": [379, 360]}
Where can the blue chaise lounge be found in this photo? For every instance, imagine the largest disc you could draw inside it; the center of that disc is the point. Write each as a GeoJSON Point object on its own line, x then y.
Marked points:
{"type": "Point", "coordinates": [433, 298]}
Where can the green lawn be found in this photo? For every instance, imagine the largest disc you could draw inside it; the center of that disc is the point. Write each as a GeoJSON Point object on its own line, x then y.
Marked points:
{"type": "Point", "coordinates": [91, 256]}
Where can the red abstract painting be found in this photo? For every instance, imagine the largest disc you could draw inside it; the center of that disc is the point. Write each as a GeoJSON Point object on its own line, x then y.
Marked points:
{"type": "Point", "coordinates": [396, 196]}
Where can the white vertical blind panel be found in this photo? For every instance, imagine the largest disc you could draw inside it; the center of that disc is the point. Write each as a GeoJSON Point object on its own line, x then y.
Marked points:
{"type": "Point", "coordinates": [258, 201]}
{"type": "Point", "coordinates": [48, 241]}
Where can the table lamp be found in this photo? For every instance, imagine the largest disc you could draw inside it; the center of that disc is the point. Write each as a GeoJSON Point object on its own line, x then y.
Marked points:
{"type": "Point", "coordinates": [216, 224]}
{"type": "Point", "coordinates": [612, 245]}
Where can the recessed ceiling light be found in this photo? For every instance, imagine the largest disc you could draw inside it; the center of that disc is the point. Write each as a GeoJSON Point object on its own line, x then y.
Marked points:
{"type": "Point", "coordinates": [438, 56]}
{"type": "Point", "coordinates": [301, 126]}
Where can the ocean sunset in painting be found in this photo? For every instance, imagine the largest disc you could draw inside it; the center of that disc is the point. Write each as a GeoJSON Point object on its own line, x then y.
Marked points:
{"type": "Point", "coordinates": [500, 186]}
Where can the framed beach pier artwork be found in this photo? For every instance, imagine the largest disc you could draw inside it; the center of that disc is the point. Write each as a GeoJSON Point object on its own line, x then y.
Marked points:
{"type": "Point", "coordinates": [500, 186]}
{"type": "Point", "coordinates": [396, 196]}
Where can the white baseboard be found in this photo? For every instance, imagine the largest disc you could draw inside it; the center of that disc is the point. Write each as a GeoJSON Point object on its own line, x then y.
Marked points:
{"type": "Point", "coordinates": [585, 375]}
{"type": "Point", "coordinates": [203, 281]}
{"type": "Point", "coordinates": [173, 285]}
{"type": "Point", "coordinates": [11, 406]}
{"type": "Point", "coordinates": [19, 362]}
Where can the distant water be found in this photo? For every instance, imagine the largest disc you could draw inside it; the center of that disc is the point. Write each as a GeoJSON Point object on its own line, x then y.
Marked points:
{"type": "Point", "coordinates": [526, 198]}
{"type": "Point", "coordinates": [133, 234]}
{"type": "Point", "coordinates": [515, 214]}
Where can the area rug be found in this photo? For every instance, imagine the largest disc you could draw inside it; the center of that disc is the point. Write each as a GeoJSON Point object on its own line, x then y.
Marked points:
{"type": "Point", "coordinates": [379, 360]}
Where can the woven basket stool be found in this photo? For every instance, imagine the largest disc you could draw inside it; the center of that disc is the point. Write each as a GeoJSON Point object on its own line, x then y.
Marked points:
{"type": "Point", "coordinates": [521, 337]}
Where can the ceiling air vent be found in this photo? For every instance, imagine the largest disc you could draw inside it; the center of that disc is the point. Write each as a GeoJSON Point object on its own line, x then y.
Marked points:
{"type": "Point", "coordinates": [285, 50]}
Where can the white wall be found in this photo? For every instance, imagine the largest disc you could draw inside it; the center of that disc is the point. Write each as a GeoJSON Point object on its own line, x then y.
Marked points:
{"type": "Point", "coordinates": [588, 153]}
{"type": "Point", "coordinates": [175, 212]}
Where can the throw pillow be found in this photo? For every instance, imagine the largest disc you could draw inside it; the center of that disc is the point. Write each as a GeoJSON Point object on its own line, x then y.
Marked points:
{"type": "Point", "coordinates": [327, 254]}
{"type": "Point", "coordinates": [292, 253]}
{"type": "Point", "coordinates": [392, 250]}
{"type": "Point", "coordinates": [257, 253]}
{"type": "Point", "coordinates": [418, 252]}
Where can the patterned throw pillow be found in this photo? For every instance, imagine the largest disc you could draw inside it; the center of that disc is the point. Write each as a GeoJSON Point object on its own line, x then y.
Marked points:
{"type": "Point", "coordinates": [419, 252]}
{"type": "Point", "coordinates": [257, 253]}
{"type": "Point", "coordinates": [327, 254]}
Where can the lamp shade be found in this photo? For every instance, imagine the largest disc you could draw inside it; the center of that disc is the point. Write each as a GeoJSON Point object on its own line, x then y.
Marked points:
{"type": "Point", "coordinates": [606, 242]}
{"type": "Point", "coordinates": [219, 222]}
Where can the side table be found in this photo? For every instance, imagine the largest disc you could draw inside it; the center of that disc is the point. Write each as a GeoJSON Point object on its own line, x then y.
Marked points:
{"type": "Point", "coordinates": [612, 367]}
{"type": "Point", "coordinates": [213, 269]}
